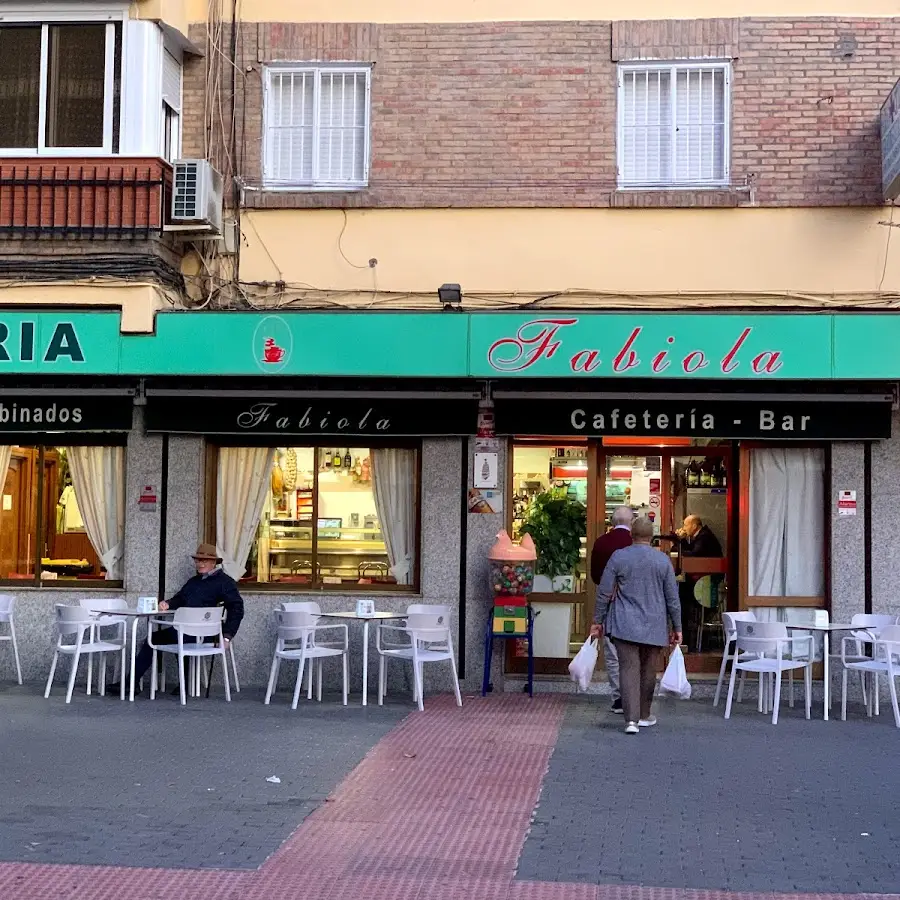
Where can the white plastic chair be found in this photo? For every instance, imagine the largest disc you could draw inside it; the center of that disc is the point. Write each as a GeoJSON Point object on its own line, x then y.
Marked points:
{"type": "Point", "coordinates": [767, 649]}
{"type": "Point", "coordinates": [297, 631]}
{"type": "Point", "coordinates": [102, 606]}
{"type": "Point", "coordinates": [201, 622]}
{"type": "Point", "coordinates": [728, 654]}
{"type": "Point", "coordinates": [885, 659]}
{"type": "Point", "coordinates": [866, 629]}
{"type": "Point", "coordinates": [7, 615]}
{"type": "Point", "coordinates": [73, 621]}
{"type": "Point", "coordinates": [429, 641]}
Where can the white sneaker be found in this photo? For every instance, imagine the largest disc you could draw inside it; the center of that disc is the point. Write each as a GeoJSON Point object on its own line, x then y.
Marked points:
{"type": "Point", "coordinates": [647, 723]}
{"type": "Point", "coordinates": [631, 728]}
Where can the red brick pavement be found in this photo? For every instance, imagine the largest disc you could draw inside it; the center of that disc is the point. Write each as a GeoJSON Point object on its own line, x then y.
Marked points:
{"type": "Point", "coordinates": [438, 810]}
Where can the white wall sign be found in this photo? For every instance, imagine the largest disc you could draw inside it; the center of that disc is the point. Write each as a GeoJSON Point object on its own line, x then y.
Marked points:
{"type": "Point", "coordinates": [846, 503]}
{"type": "Point", "coordinates": [486, 470]}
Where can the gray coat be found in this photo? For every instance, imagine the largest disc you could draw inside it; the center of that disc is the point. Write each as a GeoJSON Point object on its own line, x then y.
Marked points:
{"type": "Point", "coordinates": [646, 596]}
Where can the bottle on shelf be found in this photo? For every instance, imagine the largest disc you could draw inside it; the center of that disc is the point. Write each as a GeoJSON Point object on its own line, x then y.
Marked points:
{"type": "Point", "coordinates": [706, 473]}
{"type": "Point", "coordinates": [328, 454]}
{"type": "Point", "coordinates": [692, 475]}
{"type": "Point", "coordinates": [348, 461]}
{"type": "Point", "coordinates": [722, 474]}
{"type": "Point", "coordinates": [338, 460]}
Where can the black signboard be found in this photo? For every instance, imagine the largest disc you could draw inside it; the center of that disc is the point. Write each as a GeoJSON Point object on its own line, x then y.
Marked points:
{"type": "Point", "coordinates": [779, 420]}
{"type": "Point", "coordinates": [312, 417]}
{"type": "Point", "coordinates": [38, 413]}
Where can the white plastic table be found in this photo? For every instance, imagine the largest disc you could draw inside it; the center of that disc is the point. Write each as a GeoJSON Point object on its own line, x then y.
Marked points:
{"type": "Point", "coordinates": [353, 617]}
{"type": "Point", "coordinates": [825, 631]}
{"type": "Point", "coordinates": [136, 616]}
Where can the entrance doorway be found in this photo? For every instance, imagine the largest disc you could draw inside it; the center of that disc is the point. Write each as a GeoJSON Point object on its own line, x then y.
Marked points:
{"type": "Point", "coordinates": [744, 525]}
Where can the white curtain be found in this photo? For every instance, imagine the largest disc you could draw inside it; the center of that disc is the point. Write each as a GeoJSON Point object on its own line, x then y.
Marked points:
{"type": "Point", "coordinates": [242, 485]}
{"type": "Point", "coordinates": [394, 485]}
{"type": "Point", "coordinates": [787, 523]}
{"type": "Point", "coordinates": [5, 457]}
{"type": "Point", "coordinates": [98, 476]}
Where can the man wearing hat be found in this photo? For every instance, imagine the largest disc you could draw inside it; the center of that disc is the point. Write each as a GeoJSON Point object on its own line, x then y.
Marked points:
{"type": "Point", "coordinates": [211, 586]}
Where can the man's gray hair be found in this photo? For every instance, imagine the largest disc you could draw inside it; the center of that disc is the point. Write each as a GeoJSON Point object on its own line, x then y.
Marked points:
{"type": "Point", "coordinates": [642, 530]}
{"type": "Point", "coordinates": [623, 515]}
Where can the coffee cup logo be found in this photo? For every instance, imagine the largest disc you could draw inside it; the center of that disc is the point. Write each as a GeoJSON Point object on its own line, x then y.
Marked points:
{"type": "Point", "coordinates": [272, 353]}
{"type": "Point", "coordinates": [273, 344]}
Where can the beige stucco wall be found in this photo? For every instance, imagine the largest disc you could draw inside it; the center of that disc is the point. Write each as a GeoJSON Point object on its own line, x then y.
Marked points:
{"type": "Point", "coordinates": [177, 14]}
{"type": "Point", "coordinates": [526, 10]}
{"type": "Point", "coordinates": [812, 251]}
{"type": "Point", "coordinates": [138, 302]}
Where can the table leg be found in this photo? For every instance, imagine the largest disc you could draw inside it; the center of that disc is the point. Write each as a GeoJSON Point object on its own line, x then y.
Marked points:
{"type": "Point", "coordinates": [134, 625]}
{"type": "Point", "coordinates": [825, 652]}
{"type": "Point", "coordinates": [365, 684]}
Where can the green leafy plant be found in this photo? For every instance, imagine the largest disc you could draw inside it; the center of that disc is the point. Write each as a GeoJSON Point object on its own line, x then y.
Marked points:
{"type": "Point", "coordinates": [556, 525]}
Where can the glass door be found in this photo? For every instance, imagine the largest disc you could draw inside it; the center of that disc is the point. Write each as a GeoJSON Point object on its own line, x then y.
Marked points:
{"type": "Point", "coordinates": [553, 499]}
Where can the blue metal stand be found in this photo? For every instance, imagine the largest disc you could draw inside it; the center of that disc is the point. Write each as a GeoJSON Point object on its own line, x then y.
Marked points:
{"type": "Point", "coordinates": [489, 637]}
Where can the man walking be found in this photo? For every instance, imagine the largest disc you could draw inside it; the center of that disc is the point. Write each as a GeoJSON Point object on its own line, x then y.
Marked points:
{"type": "Point", "coordinates": [617, 538]}
{"type": "Point", "coordinates": [637, 621]}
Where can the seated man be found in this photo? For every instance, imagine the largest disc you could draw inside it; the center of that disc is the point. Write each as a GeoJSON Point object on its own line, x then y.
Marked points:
{"type": "Point", "coordinates": [211, 586]}
{"type": "Point", "coordinates": [698, 539]}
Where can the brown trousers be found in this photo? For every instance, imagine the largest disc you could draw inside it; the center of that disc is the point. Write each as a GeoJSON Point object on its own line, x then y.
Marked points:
{"type": "Point", "coordinates": [637, 677]}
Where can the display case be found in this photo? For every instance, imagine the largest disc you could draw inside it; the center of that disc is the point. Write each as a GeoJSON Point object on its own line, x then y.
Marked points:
{"type": "Point", "coordinates": [343, 555]}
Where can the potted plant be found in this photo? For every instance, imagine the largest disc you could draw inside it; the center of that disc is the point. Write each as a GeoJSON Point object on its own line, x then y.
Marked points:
{"type": "Point", "coordinates": [556, 524]}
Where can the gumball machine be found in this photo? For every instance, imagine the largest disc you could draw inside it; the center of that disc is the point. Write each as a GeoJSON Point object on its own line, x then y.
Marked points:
{"type": "Point", "coordinates": [511, 568]}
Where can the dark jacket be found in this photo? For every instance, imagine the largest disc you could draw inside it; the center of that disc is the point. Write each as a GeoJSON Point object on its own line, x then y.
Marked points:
{"type": "Point", "coordinates": [604, 547]}
{"type": "Point", "coordinates": [216, 589]}
{"type": "Point", "coordinates": [703, 544]}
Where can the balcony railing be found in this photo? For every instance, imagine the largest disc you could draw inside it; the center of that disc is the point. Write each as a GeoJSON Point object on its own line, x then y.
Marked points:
{"type": "Point", "coordinates": [125, 199]}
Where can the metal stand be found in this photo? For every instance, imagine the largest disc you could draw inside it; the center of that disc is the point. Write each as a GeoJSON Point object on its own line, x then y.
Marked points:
{"type": "Point", "coordinates": [490, 636]}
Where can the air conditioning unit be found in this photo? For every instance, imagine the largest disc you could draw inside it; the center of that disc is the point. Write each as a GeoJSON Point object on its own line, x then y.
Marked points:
{"type": "Point", "coordinates": [196, 199]}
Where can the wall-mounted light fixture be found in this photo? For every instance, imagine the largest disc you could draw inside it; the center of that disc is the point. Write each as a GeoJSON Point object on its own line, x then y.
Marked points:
{"type": "Point", "coordinates": [450, 296]}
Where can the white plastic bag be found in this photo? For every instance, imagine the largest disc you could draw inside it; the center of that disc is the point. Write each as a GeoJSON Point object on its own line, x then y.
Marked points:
{"type": "Point", "coordinates": [674, 680]}
{"type": "Point", "coordinates": [581, 669]}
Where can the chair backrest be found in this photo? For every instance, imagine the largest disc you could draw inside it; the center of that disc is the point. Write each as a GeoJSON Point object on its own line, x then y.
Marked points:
{"type": "Point", "coordinates": [309, 606]}
{"type": "Point", "coordinates": [875, 622]}
{"type": "Point", "coordinates": [428, 609]}
{"type": "Point", "coordinates": [200, 621]}
{"type": "Point", "coordinates": [890, 635]}
{"type": "Point", "coordinates": [430, 627]}
{"type": "Point", "coordinates": [761, 637]}
{"type": "Point", "coordinates": [103, 604]}
{"type": "Point", "coordinates": [71, 619]}
{"type": "Point", "coordinates": [730, 618]}
{"type": "Point", "coordinates": [295, 624]}
{"type": "Point", "coordinates": [7, 604]}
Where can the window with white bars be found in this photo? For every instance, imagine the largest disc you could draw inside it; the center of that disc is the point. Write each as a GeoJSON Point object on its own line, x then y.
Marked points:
{"type": "Point", "coordinates": [317, 127]}
{"type": "Point", "coordinates": [673, 125]}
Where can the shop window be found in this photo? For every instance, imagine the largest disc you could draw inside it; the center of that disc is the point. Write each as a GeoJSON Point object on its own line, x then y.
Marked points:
{"type": "Point", "coordinates": [59, 86]}
{"type": "Point", "coordinates": [786, 532]}
{"type": "Point", "coordinates": [317, 126]}
{"type": "Point", "coordinates": [62, 521]}
{"type": "Point", "coordinates": [673, 125]}
{"type": "Point", "coordinates": [550, 496]}
{"type": "Point", "coordinates": [320, 517]}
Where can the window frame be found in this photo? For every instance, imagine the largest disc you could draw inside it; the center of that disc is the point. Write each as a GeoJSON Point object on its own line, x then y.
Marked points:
{"type": "Point", "coordinates": [26, 440]}
{"type": "Point", "coordinates": [673, 67]}
{"type": "Point", "coordinates": [317, 589]}
{"type": "Point", "coordinates": [87, 16]}
{"type": "Point", "coordinates": [316, 69]}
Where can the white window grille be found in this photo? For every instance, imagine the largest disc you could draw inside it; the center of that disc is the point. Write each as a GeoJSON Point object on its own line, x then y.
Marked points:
{"type": "Point", "coordinates": [673, 125]}
{"type": "Point", "coordinates": [317, 127]}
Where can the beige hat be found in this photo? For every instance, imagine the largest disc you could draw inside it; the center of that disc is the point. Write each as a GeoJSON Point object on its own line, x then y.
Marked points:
{"type": "Point", "coordinates": [207, 551]}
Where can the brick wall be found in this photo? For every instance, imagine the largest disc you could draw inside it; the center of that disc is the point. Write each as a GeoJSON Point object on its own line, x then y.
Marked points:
{"type": "Point", "coordinates": [524, 114]}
